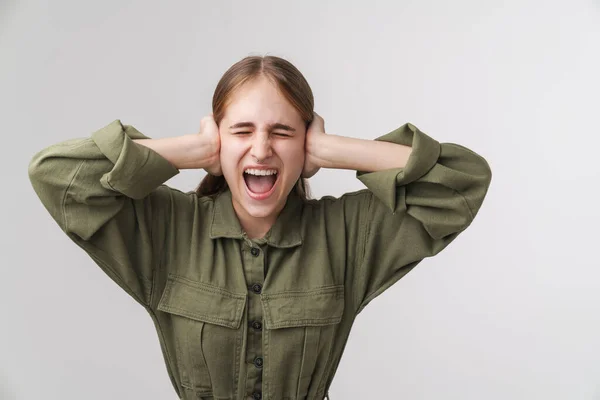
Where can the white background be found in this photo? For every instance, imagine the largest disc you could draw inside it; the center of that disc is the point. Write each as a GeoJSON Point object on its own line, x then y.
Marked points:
{"type": "Point", "coordinates": [510, 310]}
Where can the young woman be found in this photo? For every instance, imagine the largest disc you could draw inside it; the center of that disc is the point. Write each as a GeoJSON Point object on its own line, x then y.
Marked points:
{"type": "Point", "coordinates": [253, 287]}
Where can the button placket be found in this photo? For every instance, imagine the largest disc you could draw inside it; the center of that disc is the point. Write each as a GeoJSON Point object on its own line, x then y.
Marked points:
{"type": "Point", "coordinates": [254, 271]}
{"type": "Point", "coordinates": [256, 288]}
{"type": "Point", "coordinates": [256, 325]}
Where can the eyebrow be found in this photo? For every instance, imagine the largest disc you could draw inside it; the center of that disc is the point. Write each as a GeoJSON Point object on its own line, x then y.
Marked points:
{"type": "Point", "coordinates": [276, 125]}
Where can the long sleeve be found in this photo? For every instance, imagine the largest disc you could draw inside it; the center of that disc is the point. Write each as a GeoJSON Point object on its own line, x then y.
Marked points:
{"type": "Point", "coordinates": [416, 211]}
{"type": "Point", "coordinates": [106, 193]}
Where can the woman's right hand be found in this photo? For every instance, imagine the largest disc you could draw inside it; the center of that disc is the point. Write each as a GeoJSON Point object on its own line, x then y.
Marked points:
{"type": "Point", "coordinates": [210, 135]}
{"type": "Point", "coordinates": [191, 151]}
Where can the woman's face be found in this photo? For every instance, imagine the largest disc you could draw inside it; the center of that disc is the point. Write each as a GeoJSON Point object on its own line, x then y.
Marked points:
{"type": "Point", "coordinates": [262, 148]}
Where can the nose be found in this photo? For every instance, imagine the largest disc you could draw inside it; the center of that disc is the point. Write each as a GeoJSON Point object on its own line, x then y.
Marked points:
{"type": "Point", "coordinates": [261, 147]}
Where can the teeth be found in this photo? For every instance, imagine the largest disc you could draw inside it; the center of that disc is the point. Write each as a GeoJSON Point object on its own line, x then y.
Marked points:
{"type": "Point", "coordinates": [260, 172]}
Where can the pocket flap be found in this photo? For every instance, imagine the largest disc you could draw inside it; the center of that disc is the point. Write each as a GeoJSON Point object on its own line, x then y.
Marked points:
{"type": "Point", "coordinates": [202, 302]}
{"type": "Point", "coordinates": [317, 307]}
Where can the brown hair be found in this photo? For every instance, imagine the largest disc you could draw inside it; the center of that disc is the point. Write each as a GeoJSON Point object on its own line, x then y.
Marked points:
{"type": "Point", "coordinates": [290, 82]}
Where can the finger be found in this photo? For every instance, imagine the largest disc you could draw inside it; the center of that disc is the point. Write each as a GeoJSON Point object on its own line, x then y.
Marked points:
{"type": "Point", "coordinates": [319, 121]}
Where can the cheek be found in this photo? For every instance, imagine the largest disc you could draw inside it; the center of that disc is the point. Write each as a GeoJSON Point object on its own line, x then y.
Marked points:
{"type": "Point", "coordinates": [294, 158]}
{"type": "Point", "coordinates": [230, 156]}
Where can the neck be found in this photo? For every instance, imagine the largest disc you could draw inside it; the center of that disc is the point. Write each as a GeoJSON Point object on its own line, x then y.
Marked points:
{"type": "Point", "coordinates": [255, 227]}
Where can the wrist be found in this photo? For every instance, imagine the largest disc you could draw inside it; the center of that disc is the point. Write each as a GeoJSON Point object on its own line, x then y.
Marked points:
{"type": "Point", "coordinates": [201, 152]}
{"type": "Point", "coordinates": [332, 151]}
{"type": "Point", "coordinates": [321, 149]}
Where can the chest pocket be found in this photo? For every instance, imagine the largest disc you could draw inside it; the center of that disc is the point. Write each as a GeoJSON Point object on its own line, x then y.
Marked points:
{"type": "Point", "coordinates": [206, 332]}
{"type": "Point", "coordinates": [301, 328]}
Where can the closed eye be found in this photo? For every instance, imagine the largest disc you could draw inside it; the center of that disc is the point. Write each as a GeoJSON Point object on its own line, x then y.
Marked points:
{"type": "Point", "coordinates": [280, 134]}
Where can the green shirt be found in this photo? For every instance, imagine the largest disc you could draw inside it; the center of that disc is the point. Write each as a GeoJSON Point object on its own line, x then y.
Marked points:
{"type": "Point", "coordinates": [240, 319]}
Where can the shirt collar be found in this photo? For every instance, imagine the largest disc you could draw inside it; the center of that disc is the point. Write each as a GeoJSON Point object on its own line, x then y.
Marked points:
{"type": "Point", "coordinates": [286, 232]}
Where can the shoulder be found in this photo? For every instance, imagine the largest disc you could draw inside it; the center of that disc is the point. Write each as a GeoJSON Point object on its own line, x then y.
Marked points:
{"type": "Point", "coordinates": [337, 212]}
{"type": "Point", "coordinates": [330, 203]}
{"type": "Point", "coordinates": [181, 203]}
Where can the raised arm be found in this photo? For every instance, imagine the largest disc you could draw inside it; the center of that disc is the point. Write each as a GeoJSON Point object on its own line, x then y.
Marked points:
{"type": "Point", "coordinates": [421, 195]}
{"type": "Point", "coordinates": [106, 193]}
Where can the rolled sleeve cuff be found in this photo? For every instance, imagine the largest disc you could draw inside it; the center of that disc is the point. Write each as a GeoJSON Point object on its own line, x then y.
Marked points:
{"type": "Point", "coordinates": [424, 155]}
{"type": "Point", "coordinates": [138, 170]}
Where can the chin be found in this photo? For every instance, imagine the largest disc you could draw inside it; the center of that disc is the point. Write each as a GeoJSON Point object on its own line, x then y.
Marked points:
{"type": "Point", "coordinates": [262, 211]}
{"type": "Point", "coordinates": [263, 208]}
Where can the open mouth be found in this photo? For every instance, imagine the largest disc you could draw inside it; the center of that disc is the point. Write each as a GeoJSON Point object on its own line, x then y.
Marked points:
{"type": "Point", "coordinates": [260, 183]}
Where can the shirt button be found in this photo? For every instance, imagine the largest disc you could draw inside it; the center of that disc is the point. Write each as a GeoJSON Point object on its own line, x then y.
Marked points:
{"type": "Point", "coordinates": [256, 396]}
{"type": "Point", "coordinates": [258, 362]}
{"type": "Point", "coordinates": [257, 325]}
{"type": "Point", "coordinates": [257, 288]}
{"type": "Point", "coordinates": [255, 251]}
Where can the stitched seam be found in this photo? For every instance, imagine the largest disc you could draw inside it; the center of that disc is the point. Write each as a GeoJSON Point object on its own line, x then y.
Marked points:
{"type": "Point", "coordinates": [66, 194]}
{"type": "Point", "coordinates": [73, 145]}
{"type": "Point", "coordinates": [159, 258]}
{"type": "Point", "coordinates": [365, 227]}
{"type": "Point", "coordinates": [236, 357]}
{"type": "Point", "coordinates": [456, 193]}
{"type": "Point", "coordinates": [307, 322]}
{"type": "Point", "coordinates": [323, 290]}
{"type": "Point", "coordinates": [338, 294]}
{"type": "Point", "coordinates": [204, 363]}
{"type": "Point", "coordinates": [481, 158]}
{"type": "Point", "coordinates": [161, 253]}
{"type": "Point", "coordinates": [266, 342]}
{"type": "Point", "coordinates": [206, 287]}
{"type": "Point", "coordinates": [132, 173]}
{"type": "Point", "coordinates": [332, 199]}
{"type": "Point", "coordinates": [464, 199]}
{"type": "Point", "coordinates": [301, 321]}
{"type": "Point", "coordinates": [302, 366]}
{"type": "Point", "coordinates": [202, 317]}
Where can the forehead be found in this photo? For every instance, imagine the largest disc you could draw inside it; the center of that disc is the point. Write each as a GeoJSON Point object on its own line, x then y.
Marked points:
{"type": "Point", "coordinates": [259, 100]}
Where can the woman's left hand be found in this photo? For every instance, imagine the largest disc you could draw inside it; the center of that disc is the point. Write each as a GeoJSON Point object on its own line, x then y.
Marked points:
{"type": "Point", "coordinates": [314, 134]}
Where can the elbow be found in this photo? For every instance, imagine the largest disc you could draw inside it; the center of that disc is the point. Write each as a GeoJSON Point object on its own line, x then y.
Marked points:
{"type": "Point", "coordinates": [486, 172]}
{"type": "Point", "coordinates": [472, 178]}
{"type": "Point", "coordinates": [47, 185]}
{"type": "Point", "coordinates": [481, 174]}
{"type": "Point", "coordinates": [35, 169]}
{"type": "Point", "coordinates": [46, 176]}
{"type": "Point", "coordinates": [42, 170]}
